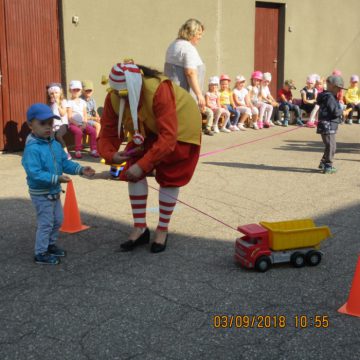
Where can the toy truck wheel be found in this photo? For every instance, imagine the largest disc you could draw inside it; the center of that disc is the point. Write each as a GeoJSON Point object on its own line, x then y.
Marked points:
{"type": "Point", "coordinates": [297, 259]}
{"type": "Point", "coordinates": [262, 264]}
{"type": "Point", "coordinates": [313, 258]}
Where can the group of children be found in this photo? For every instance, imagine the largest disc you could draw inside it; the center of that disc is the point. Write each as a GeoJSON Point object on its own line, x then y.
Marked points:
{"type": "Point", "coordinates": [78, 114]}
{"type": "Point", "coordinates": [254, 106]}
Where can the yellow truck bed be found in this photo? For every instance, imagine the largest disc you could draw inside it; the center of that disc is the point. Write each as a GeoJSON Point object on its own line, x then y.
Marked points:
{"type": "Point", "coordinates": [292, 234]}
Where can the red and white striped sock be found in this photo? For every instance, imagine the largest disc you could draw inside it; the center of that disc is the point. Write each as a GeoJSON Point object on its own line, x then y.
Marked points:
{"type": "Point", "coordinates": [138, 193]}
{"type": "Point", "coordinates": [166, 206]}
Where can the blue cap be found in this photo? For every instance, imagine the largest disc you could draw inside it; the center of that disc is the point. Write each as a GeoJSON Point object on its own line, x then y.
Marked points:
{"type": "Point", "coordinates": [40, 112]}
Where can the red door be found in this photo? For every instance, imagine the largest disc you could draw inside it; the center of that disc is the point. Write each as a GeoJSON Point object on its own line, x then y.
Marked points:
{"type": "Point", "coordinates": [269, 42]}
{"type": "Point", "coordinates": [30, 59]}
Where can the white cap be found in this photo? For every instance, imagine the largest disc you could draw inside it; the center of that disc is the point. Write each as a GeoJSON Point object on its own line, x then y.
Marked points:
{"type": "Point", "coordinates": [239, 78]}
{"type": "Point", "coordinates": [75, 84]}
{"type": "Point", "coordinates": [267, 76]}
{"type": "Point", "coordinates": [214, 80]}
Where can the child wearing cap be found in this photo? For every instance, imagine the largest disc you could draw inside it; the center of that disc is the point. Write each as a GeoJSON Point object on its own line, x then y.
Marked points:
{"type": "Point", "coordinates": [271, 105]}
{"type": "Point", "coordinates": [329, 118]}
{"type": "Point", "coordinates": [254, 94]}
{"type": "Point", "coordinates": [226, 102]}
{"type": "Point", "coordinates": [286, 103]}
{"type": "Point", "coordinates": [308, 101]}
{"type": "Point", "coordinates": [212, 100]}
{"type": "Point", "coordinates": [44, 161]}
{"type": "Point", "coordinates": [57, 102]}
{"type": "Point", "coordinates": [242, 101]}
{"type": "Point", "coordinates": [77, 115]}
{"type": "Point", "coordinates": [91, 110]}
{"type": "Point", "coordinates": [352, 98]}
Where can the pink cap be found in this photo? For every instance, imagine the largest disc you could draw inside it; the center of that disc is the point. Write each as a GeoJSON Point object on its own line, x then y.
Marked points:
{"type": "Point", "coordinates": [258, 75]}
{"type": "Point", "coordinates": [336, 72]}
{"type": "Point", "coordinates": [225, 77]}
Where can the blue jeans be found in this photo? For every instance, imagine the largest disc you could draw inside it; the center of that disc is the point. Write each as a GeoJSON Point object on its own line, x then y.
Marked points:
{"type": "Point", "coordinates": [49, 216]}
{"type": "Point", "coordinates": [235, 119]}
{"type": "Point", "coordinates": [287, 107]}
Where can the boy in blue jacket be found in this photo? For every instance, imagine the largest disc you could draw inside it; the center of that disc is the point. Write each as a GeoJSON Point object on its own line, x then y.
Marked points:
{"type": "Point", "coordinates": [44, 161]}
{"type": "Point", "coordinates": [329, 119]}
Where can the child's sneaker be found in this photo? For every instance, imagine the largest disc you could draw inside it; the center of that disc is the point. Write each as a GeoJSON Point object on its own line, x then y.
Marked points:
{"type": "Point", "coordinates": [260, 124]}
{"type": "Point", "coordinates": [225, 130]}
{"type": "Point", "coordinates": [216, 129]}
{"type": "Point", "coordinates": [271, 124]}
{"type": "Point", "coordinates": [286, 123]}
{"type": "Point", "coordinates": [255, 126]}
{"type": "Point", "coordinates": [69, 157]}
{"type": "Point", "coordinates": [46, 259]}
{"type": "Point", "coordinates": [330, 170]}
{"type": "Point", "coordinates": [299, 123]}
{"type": "Point", "coordinates": [350, 121]}
{"type": "Point", "coordinates": [278, 123]}
{"type": "Point", "coordinates": [242, 127]}
{"type": "Point", "coordinates": [321, 165]}
{"type": "Point", "coordinates": [266, 124]}
{"type": "Point", "coordinates": [56, 251]}
{"type": "Point", "coordinates": [236, 128]}
{"type": "Point", "coordinates": [310, 125]}
{"type": "Point", "coordinates": [78, 154]}
{"type": "Point", "coordinates": [94, 154]}
{"type": "Point", "coordinates": [232, 128]}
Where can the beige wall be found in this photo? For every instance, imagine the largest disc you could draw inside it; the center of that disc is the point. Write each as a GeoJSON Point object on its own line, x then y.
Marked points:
{"type": "Point", "coordinates": [325, 36]}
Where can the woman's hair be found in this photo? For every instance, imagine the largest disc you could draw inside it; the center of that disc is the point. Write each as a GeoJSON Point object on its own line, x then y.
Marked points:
{"type": "Point", "coordinates": [189, 29]}
{"type": "Point", "coordinates": [148, 72]}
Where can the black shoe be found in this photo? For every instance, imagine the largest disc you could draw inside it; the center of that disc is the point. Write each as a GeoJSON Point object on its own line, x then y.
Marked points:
{"type": "Point", "coordinates": [143, 239]}
{"type": "Point", "coordinates": [156, 248]}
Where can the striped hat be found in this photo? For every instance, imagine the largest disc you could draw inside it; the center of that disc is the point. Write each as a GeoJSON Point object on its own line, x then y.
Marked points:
{"type": "Point", "coordinates": [127, 76]}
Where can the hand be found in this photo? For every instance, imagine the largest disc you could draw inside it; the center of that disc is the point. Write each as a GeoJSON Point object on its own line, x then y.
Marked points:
{"type": "Point", "coordinates": [120, 157]}
{"type": "Point", "coordinates": [201, 102]}
{"type": "Point", "coordinates": [64, 179]}
{"type": "Point", "coordinates": [83, 125]}
{"type": "Point", "coordinates": [88, 171]}
{"type": "Point", "coordinates": [134, 173]}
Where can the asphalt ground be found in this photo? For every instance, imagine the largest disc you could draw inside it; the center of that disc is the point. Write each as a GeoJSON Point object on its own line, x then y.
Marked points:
{"type": "Point", "coordinates": [102, 304]}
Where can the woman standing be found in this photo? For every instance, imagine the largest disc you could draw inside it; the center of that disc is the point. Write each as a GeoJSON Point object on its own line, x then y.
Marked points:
{"type": "Point", "coordinates": [183, 64]}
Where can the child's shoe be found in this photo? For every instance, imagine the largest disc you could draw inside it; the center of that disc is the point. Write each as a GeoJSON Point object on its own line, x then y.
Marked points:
{"type": "Point", "coordinates": [271, 124]}
{"type": "Point", "coordinates": [232, 128]}
{"type": "Point", "coordinates": [56, 251]}
{"type": "Point", "coordinates": [69, 157]}
{"type": "Point", "coordinates": [329, 170]}
{"type": "Point", "coordinates": [255, 126]}
{"type": "Point", "coordinates": [321, 165]}
{"type": "Point", "coordinates": [225, 130]}
{"type": "Point", "coordinates": [46, 259]}
{"type": "Point", "coordinates": [350, 121]}
{"type": "Point", "coordinates": [266, 124]}
{"type": "Point", "coordinates": [260, 124]}
{"type": "Point", "coordinates": [78, 154]}
{"type": "Point", "coordinates": [242, 127]}
{"type": "Point", "coordinates": [94, 154]}
{"type": "Point", "coordinates": [236, 128]}
{"type": "Point", "coordinates": [216, 129]}
{"type": "Point", "coordinates": [299, 123]}
{"type": "Point", "coordinates": [286, 123]}
{"type": "Point", "coordinates": [278, 123]}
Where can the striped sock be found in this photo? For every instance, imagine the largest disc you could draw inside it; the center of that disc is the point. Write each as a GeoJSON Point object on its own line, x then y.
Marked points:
{"type": "Point", "coordinates": [166, 206]}
{"type": "Point", "coordinates": [138, 193]}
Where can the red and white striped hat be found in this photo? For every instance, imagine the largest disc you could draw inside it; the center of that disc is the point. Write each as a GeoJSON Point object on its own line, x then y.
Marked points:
{"type": "Point", "coordinates": [127, 76]}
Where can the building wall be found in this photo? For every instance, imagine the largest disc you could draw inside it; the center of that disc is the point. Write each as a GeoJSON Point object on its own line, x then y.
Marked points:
{"type": "Point", "coordinates": [324, 35]}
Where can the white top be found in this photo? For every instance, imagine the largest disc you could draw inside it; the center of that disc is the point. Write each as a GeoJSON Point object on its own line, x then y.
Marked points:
{"type": "Point", "coordinates": [254, 94]}
{"type": "Point", "coordinates": [240, 95]}
{"type": "Point", "coordinates": [265, 92]}
{"type": "Point", "coordinates": [77, 107]}
{"type": "Point", "coordinates": [182, 53]}
{"type": "Point", "coordinates": [64, 119]}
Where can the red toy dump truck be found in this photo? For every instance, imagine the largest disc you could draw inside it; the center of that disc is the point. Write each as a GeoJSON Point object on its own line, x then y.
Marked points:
{"type": "Point", "coordinates": [294, 241]}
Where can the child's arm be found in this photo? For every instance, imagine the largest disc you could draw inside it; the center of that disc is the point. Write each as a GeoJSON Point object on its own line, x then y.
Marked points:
{"type": "Point", "coordinates": [62, 109]}
{"type": "Point", "coordinates": [70, 118]}
{"type": "Point", "coordinates": [73, 168]}
{"type": "Point", "coordinates": [207, 101]}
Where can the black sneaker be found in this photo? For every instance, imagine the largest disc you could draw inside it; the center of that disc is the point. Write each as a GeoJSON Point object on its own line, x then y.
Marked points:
{"type": "Point", "coordinates": [56, 251]}
{"type": "Point", "coordinates": [321, 166]}
{"type": "Point", "coordinates": [46, 259]}
{"type": "Point", "coordinates": [330, 170]}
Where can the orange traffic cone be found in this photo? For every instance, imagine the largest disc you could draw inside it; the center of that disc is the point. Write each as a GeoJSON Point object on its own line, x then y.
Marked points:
{"type": "Point", "coordinates": [72, 222]}
{"type": "Point", "coordinates": [352, 307]}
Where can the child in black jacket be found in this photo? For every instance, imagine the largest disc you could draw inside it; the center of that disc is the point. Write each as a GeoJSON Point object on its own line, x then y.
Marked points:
{"type": "Point", "coordinates": [329, 119]}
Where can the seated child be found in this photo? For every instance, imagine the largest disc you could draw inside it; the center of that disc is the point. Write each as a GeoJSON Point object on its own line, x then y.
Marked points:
{"type": "Point", "coordinates": [308, 100]}
{"type": "Point", "coordinates": [254, 95]}
{"type": "Point", "coordinates": [271, 104]}
{"type": "Point", "coordinates": [352, 98]}
{"type": "Point", "coordinates": [226, 102]}
{"type": "Point", "coordinates": [286, 103]}
{"type": "Point", "coordinates": [44, 162]}
{"type": "Point", "coordinates": [57, 103]}
{"type": "Point", "coordinates": [92, 114]}
{"type": "Point", "coordinates": [212, 100]}
{"type": "Point", "coordinates": [242, 100]}
{"type": "Point", "coordinates": [76, 109]}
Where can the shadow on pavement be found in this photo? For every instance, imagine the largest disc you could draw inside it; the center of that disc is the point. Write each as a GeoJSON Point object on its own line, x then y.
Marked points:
{"type": "Point", "coordinates": [99, 304]}
{"type": "Point", "coordinates": [318, 146]}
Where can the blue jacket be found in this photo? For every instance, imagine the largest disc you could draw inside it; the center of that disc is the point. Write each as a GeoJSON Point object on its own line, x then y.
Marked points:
{"type": "Point", "coordinates": [44, 161]}
{"type": "Point", "coordinates": [329, 113]}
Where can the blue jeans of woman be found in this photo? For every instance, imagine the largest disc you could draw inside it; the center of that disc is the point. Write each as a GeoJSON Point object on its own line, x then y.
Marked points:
{"type": "Point", "coordinates": [49, 216]}
{"type": "Point", "coordinates": [236, 115]}
{"type": "Point", "coordinates": [287, 107]}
